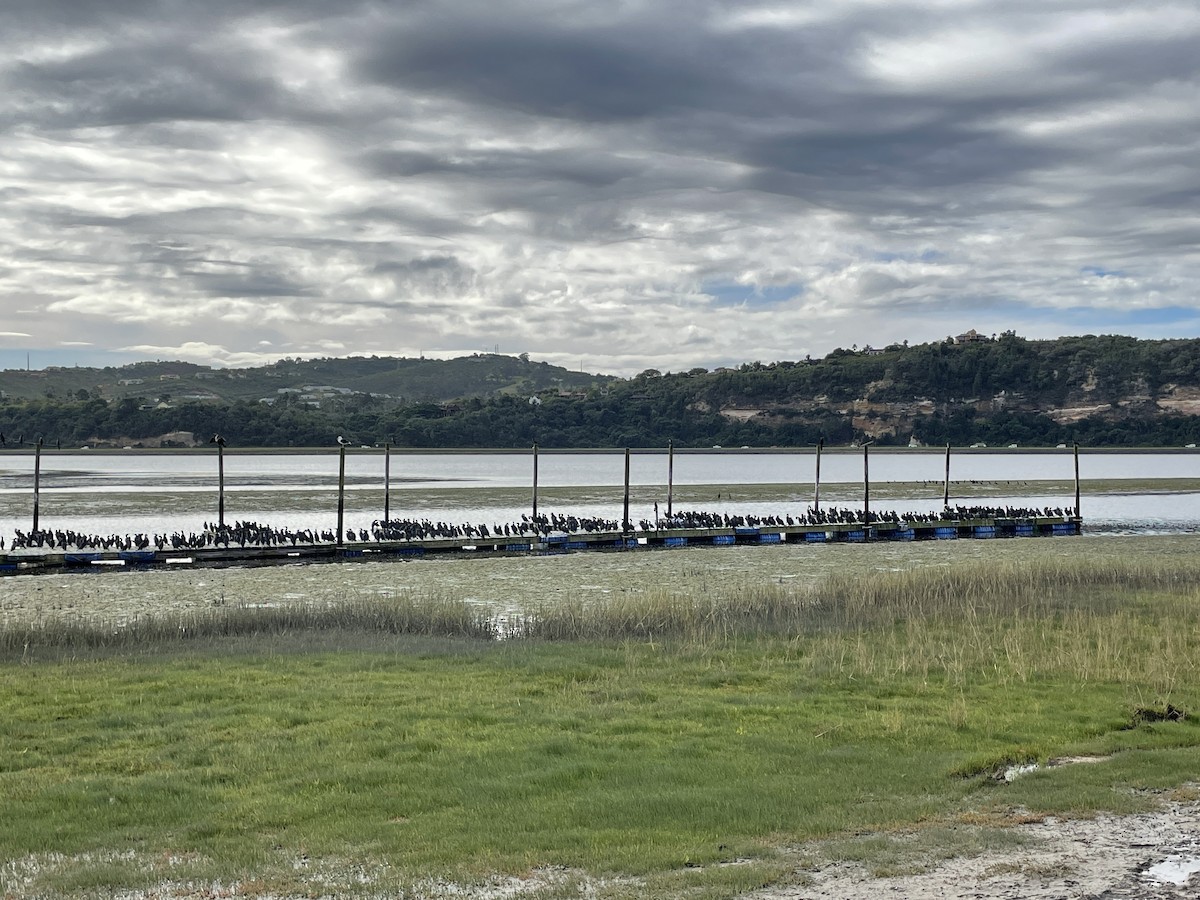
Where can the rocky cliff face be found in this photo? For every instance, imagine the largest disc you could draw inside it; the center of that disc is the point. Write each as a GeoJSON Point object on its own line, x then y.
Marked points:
{"type": "Point", "coordinates": [879, 419]}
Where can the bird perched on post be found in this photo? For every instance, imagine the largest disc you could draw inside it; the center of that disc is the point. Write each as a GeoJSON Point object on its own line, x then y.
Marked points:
{"type": "Point", "coordinates": [217, 439]}
{"type": "Point", "coordinates": [342, 441]}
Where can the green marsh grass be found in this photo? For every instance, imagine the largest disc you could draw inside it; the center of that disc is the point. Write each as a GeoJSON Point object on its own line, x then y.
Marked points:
{"type": "Point", "coordinates": [398, 615]}
{"type": "Point", "coordinates": [636, 741]}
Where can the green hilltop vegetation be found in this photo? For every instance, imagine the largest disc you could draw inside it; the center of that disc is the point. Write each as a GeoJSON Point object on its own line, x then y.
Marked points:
{"type": "Point", "coordinates": [1099, 391]}
{"type": "Point", "coordinates": [400, 379]}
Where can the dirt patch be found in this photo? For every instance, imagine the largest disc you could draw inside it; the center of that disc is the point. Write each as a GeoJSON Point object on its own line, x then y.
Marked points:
{"type": "Point", "coordinates": [1149, 856]}
{"type": "Point", "coordinates": [741, 415]}
{"type": "Point", "coordinates": [1153, 855]}
{"type": "Point", "coordinates": [1069, 414]}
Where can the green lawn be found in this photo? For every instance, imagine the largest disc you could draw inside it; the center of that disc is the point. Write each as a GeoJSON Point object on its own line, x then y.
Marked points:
{"type": "Point", "coordinates": [383, 761]}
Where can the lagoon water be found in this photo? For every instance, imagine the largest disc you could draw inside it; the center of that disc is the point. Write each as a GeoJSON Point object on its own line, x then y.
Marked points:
{"type": "Point", "coordinates": [165, 491]}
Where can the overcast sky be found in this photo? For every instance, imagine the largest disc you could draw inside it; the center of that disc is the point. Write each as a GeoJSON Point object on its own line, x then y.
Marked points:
{"type": "Point", "coordinates": [606, 184]}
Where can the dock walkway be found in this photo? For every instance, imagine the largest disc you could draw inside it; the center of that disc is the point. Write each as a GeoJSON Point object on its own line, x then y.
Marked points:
{"type": "Point", "coordinates": [27, 562]}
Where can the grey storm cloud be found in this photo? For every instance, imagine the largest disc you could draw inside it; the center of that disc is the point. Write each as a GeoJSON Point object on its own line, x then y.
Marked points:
{"type": "Point", "coordinates": [582, 72]}
{"type": "Point", "coordinates": [637, 184]}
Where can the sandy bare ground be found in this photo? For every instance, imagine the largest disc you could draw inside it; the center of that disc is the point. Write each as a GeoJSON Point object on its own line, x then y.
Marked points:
{"type": "Point", "coordinates": [1153, 855]}
{"type": "Point", "coordinates": [1150, 856]}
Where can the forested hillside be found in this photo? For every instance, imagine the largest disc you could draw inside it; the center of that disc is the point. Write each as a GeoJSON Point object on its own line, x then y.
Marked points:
{"type": "Point", "coordinates": [1099, 391]}
{"type": "Point", "coordinates": [401, 379]}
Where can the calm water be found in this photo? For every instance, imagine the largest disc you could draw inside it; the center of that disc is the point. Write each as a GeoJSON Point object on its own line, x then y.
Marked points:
{"type": "Point", "coordinates": [141, 491]}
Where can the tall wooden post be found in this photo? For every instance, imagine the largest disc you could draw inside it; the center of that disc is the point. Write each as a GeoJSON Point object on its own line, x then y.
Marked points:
{"type": "Point", "coordinates": [1077, 479]}
{"type": "Point", "coordinates": [625, 525]}
{"type": "Point", "coordinates": [946, 493]}
{"type": "Point", "coordinates": [341, 492]}
{"type": "Point", "coordinates": [866, 485]}
{"type": "Point", "coordinates": [221, 484]}
{"type": "Point", "coordinates": [220, 442]}
{"type": "Point", "coordinates": [387, 481]}
{"type": "Point", "coordinates": [817, 479]}
{"type": "Point", "coordinates": [535, 478]}
{"type": "Point", "coordinates": [37, 479]}
{"type": "Point", "coordinates": [670, 475]}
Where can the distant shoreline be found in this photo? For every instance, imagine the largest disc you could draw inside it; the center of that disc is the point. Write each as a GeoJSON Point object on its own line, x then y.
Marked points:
{"type": "Point", "coordinates": [568, 451]}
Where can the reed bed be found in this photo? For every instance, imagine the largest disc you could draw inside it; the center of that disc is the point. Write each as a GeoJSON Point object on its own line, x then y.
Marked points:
{"type": "Point", "coordinates": [1096, 613]}
{"type": "Point", "coordinates": [1010, 587]}
{"type": "Point", "coordinates": [1111, 621]}
{"type": "Point", "coordinates": [399, 615]}
{"type": "Point", "coordinates": [664, 614]}
{"type": "Point", "coordinates": [852, 602]}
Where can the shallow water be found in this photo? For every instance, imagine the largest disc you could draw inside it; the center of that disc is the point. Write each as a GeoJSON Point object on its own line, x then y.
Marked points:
{"type": "Point", "coordinates": [1176, 870]}
{"type": "Point", "coordinates": [164, 492]}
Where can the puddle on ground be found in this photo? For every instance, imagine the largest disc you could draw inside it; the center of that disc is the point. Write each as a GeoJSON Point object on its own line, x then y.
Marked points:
{"type": "Point", "coordinates": [1176, 870]}
{"type": "Point", "coordinates": [1012, 773]}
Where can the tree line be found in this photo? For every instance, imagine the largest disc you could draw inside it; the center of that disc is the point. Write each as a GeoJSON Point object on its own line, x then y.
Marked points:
{"type": "Point", "coordinates": [996, 391]}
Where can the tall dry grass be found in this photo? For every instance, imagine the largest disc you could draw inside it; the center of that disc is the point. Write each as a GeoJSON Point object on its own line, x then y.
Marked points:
{"type": "Point", "coordinates": [1000, 588]}
{"type": "Point", "coordinates": [1125, 618]}
{"type": "Point", "coordinates": [852, 602]}
{"type": "Point", "coordinates": [1119, 621]}
{"type": "Point", "coordinates": [400, 615]}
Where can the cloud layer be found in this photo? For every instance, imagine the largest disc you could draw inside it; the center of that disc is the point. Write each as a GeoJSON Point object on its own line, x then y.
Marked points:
{"type": "Point", "coordinates": [621, 185]}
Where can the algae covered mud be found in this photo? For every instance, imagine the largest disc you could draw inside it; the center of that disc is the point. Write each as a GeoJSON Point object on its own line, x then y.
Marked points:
{"type": "Point", "coordinates": [513, 584]}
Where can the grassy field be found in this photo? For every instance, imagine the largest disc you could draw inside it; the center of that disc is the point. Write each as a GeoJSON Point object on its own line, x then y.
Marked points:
{"type": "Point", "coordinates": [669, 742]}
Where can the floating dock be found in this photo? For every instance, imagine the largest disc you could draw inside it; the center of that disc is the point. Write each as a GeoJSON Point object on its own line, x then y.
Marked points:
{"type": "Point", "coordinates": [28, 562]}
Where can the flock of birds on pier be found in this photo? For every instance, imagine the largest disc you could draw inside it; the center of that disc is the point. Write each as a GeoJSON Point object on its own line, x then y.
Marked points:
{"type": "Point", "coordinates": [253, 534]}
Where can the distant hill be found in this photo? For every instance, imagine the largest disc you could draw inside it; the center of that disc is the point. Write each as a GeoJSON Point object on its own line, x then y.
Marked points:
{"type": "Point", "coordinates": [397, 378]}
{"type": "Point", "coordinates": [1102, 391]}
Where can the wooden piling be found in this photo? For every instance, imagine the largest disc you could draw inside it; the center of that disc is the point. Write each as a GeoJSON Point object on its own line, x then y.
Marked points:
{"type": "Point", "coordinates": [626, 526]}
{"type": "Point", "coordinates": [946, 492]}
{"type": "Point", "coordinates": [1077, 479]}
{"type": "Point", "coordinates": [37, 480]}
{"type": "Point", "coordinates": [866, 485]}
{"type": "Point", "coordinates": [817, 479]}
{"type": "Point", "coordinates": [387, 481]}
{"type": "Point", "coordinates": [341, 493]}
{"type": "Point", "coordinates": [670, 475]}
{"type": "Point", "coordinates": [535, 478]}
{"type": "Point", "coordinates": [221, 484]}
{"type": "Point", "coordinates": [220, 442]}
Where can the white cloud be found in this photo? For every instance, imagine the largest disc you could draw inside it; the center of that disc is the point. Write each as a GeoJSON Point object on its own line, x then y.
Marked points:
{"type": "Point", "coordinates": [572, 180]}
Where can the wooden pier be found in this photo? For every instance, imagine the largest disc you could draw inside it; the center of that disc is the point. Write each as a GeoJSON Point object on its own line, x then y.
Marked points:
{"type": "Point", "coordinates": [28, 562]}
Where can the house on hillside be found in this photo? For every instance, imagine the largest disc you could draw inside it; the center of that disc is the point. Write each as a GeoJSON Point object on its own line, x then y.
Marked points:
{"type": "Point", "coordinates": [972, 337]}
